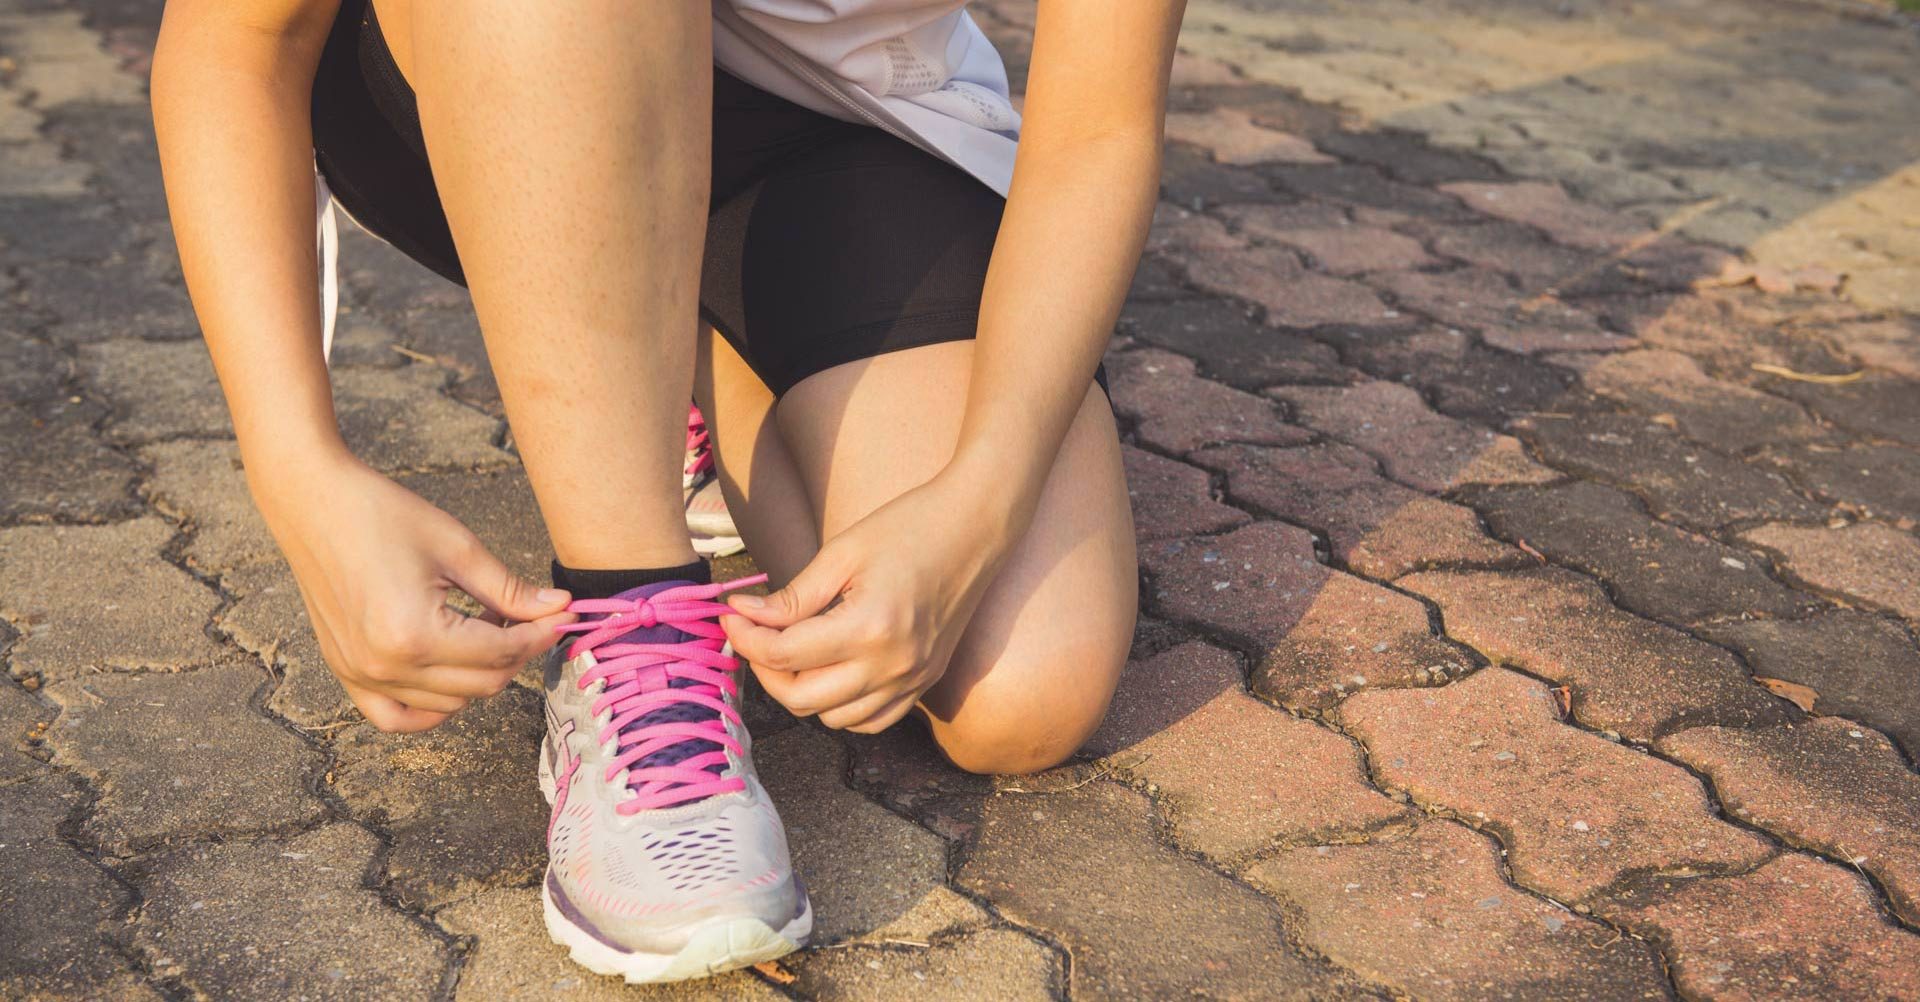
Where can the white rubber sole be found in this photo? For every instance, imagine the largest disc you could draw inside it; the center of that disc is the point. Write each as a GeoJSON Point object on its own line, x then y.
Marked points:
{"type": "Point", "coordinates": [717, 546]}
{"type": "Point", "coordinates": [718, 946]}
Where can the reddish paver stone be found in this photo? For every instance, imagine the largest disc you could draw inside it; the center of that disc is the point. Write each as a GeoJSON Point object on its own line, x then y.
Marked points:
{"type": "Point", "coordinates": [1354, 250]}
{"type": "Point", "coordinates": [1866, 561]}
{"type": "Point", "coordinates": [1176, 229]}
{"type": "Point", "coordinates": [1292, 296]}
{"type": "Point", "coordinates": [1723, 415]}
{"type": "Point", "coordinates": [1427, 913]}
{"type": "Point", "coordinates": [1488, 303]}
{"type": "Point", "coordinates": [1276, 223]}
{"type": "Point", "coordinates": [1172, 499]}
{"type": "Point", "coordinates": [1231, 344]}
{"type": "Point", "coordinates": [1892, 344]}
{"type": "Point", "coordinates": [1422, 449]}
{"type": "Point", "coordinates": [1826, 783]}
{"type": "Point", "coordinates": [1679, 480]}
{"type": "Point", "coordinates": [1176, 411]}
{"type": "Point", "coordinates": [1233, 137]}
{"type": "Point", "coordinates": [1235, 774]}
{"type": "Point", "coordinates": [1724, 334]}
{"type": "Point", "coordinates": [1460, 376]}
{"type": "Point", "coordinates": [1868, 480]}
{"type": "Point", "coordinates": [1576, 811]}
{"type": "Point", "coordinates": [1860, 666]}
{"type": "Point", "coordinates": [1655, 569]}
{"type": "Point", "coordinates": [1626, 674]}
{"type": "Point", "coordinates": [1141, 920]}
{"type": "Point", "coordinates": [1373, 525]}
{"type": "Point", "coordinates": [1795, 928]}
{"type": "Point", "coordinates": [1325, 633]}
{"type": "Point", "coordinates": [1544, 205]}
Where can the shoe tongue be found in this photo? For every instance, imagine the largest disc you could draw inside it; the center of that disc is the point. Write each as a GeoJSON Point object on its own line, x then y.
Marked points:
{"type": "Point", "coordinates": [674, 713]}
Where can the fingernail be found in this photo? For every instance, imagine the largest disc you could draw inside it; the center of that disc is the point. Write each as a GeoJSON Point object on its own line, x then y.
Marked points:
{"type": "Point", "coordinates": [551, 595]}
{"type": "Point", "coordinates": [750, 601]}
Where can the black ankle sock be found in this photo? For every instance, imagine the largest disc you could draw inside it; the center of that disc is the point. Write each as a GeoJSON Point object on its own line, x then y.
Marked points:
{"type": "Point", "coordinates": [606, 584]}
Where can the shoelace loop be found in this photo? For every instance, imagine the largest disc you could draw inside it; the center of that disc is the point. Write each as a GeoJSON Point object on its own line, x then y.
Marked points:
{"type": "Point", "coordinates": [639, 681]}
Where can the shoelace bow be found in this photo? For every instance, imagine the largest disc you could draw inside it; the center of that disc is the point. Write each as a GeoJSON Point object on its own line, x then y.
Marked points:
{"type": "Point", "coordinates": [699, 456]}
{"type": "Point", "coordinates": [638, 680]}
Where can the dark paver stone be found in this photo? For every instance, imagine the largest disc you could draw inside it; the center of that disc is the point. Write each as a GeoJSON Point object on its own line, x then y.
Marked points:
{"type": "Point", "coordinates": [56, 906]}
{"type": "Point", "coordinates": [1872, 480]}
{"type": "Point", "coordinates": [1860, 666]}
{"type": "Point", "coordinates": [1231, 345]}
{"type": "Point", "coordinates": [1171, 499]}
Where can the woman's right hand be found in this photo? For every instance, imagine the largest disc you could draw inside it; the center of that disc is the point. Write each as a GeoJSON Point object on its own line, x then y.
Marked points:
{"type": "Point", "coordinates": [375, 563]}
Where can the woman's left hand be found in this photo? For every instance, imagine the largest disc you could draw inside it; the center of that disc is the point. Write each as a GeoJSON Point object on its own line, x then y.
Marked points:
{"type": "Point", "coordinates": [907, 578]}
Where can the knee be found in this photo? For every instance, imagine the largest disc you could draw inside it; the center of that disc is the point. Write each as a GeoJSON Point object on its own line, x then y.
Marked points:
{"type": "Point", "coordinates": [1035, 728]}
{"type": "Point", "coordinates": [1005, 753]}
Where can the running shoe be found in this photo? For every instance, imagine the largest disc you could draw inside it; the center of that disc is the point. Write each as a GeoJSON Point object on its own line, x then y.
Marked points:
{"type": "Point", "coordinates": [666, 859]}
{"type": "Point", "coordinates": [708, 521]}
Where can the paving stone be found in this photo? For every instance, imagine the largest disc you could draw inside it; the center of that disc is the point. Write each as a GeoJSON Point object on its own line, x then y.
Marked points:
{"type": "Point", "coordinates": [1177, 229]}
{"type": "Point", "coordinates": [270, 622]}
{"type": "Point", "coordinates": [1427, 913]}
{"type": "Point", "coordinates": [1232, 136]}
{"type": "Point", "coordinates": [202, 484]}
{"type": "Point", "coordinates": [1795, 928]}
{"type": "Point", "coordinates": [398, 420]}
{"type": "Point", "coordinates": [1176, 411]}
{"type": "Point", "coordinates": [499, 507]}
{"type": "Point", "coordinates": [282, 918]}
{"type": "Point", "coordinates": [1892, 344]}
{"type": "Point", "coordinates": [1234, 774]}
{"type": "Point", "coordinates": [1407, 156]}
{"type": "Point", "coordinates": [1868, 480]}
{"type": "Point", "coordinates": [1521, 253]}
{"type": "Point", "coordinates": [1276, 222]}
{"type": "Point", "coordinates": [22, 719]}
{"type": "Point", "coordinates": [1868, 561]}
{"type": "Point", "coordinates": [1628, 675]}
{"type": "Point", "coordinates": [1722, 415]}
{"type": "Point", "coordinates": [1373, 525]}
{"type": "Point", "coordinates": [132, 295]}
{"type": "Point", "coordinates": [50, 577]}
{"type": "Point", "coordinates": [53, 466]}
{"type": "Point", "coordinates": [863, 866]}
{"type": "Point", "coordinates": [1275, 280]}
{"type": "Point", "coordinates": [1416, 446]}
{"type": "Point", "coordinates": [1878, 406]}
{"type": "Point", "coordinates": [1826, 783]}
{"type": "Point", "coordinates": [1358, 185]}
{"type": "Point", "coordinates": [988, 963]}
{"type": "Point", "coordinates": [181, 755]}
{"type": "Point", "coordinates": [1460, 377]}
{"type": "Point", "coordinates": [55, 905]}
{"type": "Point", "coordinates": [1680, 481]}
{"type": "Point", "coordinates": [1545, 206]}
{"type": "Point", "coordinates": [903, 769]}
{"type": "Point", "coordinates": [459, 803]}
{"type": "Point", "coordinates": [1724, 332]}
{"type": "Point", "coordinates": [1231, 345]}
{"type": "Point", "coordinates": [1084, 865]}
{"type": "Point", "coordinates": [513, 958]}
{"type": "Point", "coordinates": [1575, 811]}
{"type": "Point", "coordinates": [1173, 499]}
{"type": "Point", "coordinates": [1324, 633]}
{"type": "Point", "coordinates": [1351, 250]}
{"type": "Point", "coordinates": [161, 389]}
{"type": "Point", "coordinates": [1655, 569]}
{"type": "Point", "coordinates": [1859, 666]}
{"type": "Point", "coordinates": [1188, 178]}
{"type": "Point", "coordinates": [1506, 319]}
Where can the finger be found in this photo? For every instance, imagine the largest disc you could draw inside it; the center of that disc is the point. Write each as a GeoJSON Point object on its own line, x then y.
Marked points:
{"type": "Point", "coordinates": [817, 584]}
{"type": "Point", "coordinates": [432, 702]}
{"type": "Point", "coordinates": [808, 644]}
{"type": "Point", "coordinates": [860, 710]}
{"type": "Point", "coordinates": [888, 715]}
{"type": "Point", "coordinates": [471, 642]}
{"type": "Point", "coordinates": [462, 682]}
{"type": "Point", "coordinates": [821, 689]}
{"type": "Point", "coordinates": [389, 714]}
{"type": "Point", "coordinates": [504, 593]}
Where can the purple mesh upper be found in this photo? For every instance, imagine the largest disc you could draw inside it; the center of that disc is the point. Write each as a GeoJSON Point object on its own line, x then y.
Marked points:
{"type": "Point", "coordinates": [677, 712]}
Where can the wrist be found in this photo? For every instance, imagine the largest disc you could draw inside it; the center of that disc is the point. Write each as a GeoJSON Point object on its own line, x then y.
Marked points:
{"type": "Point", "coordinates": [281, 474]}
{"type": "Point", "coordinates": [991, 493]}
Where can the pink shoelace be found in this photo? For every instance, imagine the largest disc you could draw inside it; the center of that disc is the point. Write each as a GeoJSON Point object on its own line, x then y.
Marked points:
{"type": "Point", "coordinates": [699, 453]}
{"type": "Point", "coordinates": [638, 680]}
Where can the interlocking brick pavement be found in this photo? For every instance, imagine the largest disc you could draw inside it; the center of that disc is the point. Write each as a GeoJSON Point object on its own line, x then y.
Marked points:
{"type": "Point", "coordinates": [1522, 409]}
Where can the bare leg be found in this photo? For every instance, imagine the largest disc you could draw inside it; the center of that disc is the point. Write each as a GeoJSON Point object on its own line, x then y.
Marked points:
{"type": "Point", "coordinates": [571, 144]}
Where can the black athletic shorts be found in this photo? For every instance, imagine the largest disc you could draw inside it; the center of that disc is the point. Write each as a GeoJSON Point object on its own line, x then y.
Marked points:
{"type": "Point", "coordinates": [827, 241]}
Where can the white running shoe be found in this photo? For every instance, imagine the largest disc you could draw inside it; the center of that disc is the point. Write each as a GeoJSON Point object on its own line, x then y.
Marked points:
{"type": "Point", "coordinates": [666, 859]}
{"type": "Point", "coordinates": [708, 521]}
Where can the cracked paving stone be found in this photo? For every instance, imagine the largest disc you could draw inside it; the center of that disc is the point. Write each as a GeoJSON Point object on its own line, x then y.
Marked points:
{"type": "Point", "coordinates": [53, 465]}
{"type": "Point", "coordinates": [1325, 633]}
{"type": "Point", "coordinates": [1085, 866]}
{"type": "Point", "coordinates": [133, 295]}
{"type": "Point", "coordinates": [1422, 449]}
{"type": "Point", "coordinates": [1462, 378]}
{"type": "Point", "coordinates": [181, 755]}
{"type": "Point", "coordinates": [1725, 336]}
{"type": "Point", "coordinates": [1274, 223]}
{"type": "Point", "coordinates": [1349, 250]}
{"type": "Point", "coordinates": [1860, 666]}
{"type": "Point", "coordinates": [161, 389]}
{"type": "Point", "coordinates": [1681, 481]}
{"type": "Point", "coordinates": [21, 718]}
{"type": "Point", "coordinates": [459, 803]}
{"type": "Point", "coordinates": [1234, 138]}
{"type": "Point", "coordinates": [1546, 207]}
{"type": "Point", "coordinates": [863, 865]}
{"type": "Point", "coordinates": [1408, 156]}
{"type": "Point", "coordinates": [1827, 784]}
{"type": "Point", "coordinates": [1869, 480]}
{"type": "Point", "coordinates": [1231, 346]}
{"type": "Point", "coordinates": [1488, 303]}
{"type": "Point", "coordinates": [1795, 928]}
{"type": "Point", "coordinates": [513, 958]}
{"type": "Point", "coordinates": [1363, 186]}
{"type": "Point", "coordinates": [1628, 675]}
{"type": "Point", "coordinates": [1175, 410]}
{"type": "Point", "coordinates": [397, 419]}
{"type": "Point", "coordinates": [1892, 344]}
{"type": "Point", "coordinates": [1292, 296]}
{"type": "Point", "coordinates": [282, 918]}
{"type": "Point", "coordinates": [1427, 913]}
{"type": "Point", "coordinates": [498, 505]}
{"type": "Point", "coordinates": [1375, 526]}
{"type": "Point", "coordinates": [202, 484]}
{"type": "Point", "coordinates": [1576, 811]}
{"type": "Point", "coordinates": [153, 616]}
{"type": "Point", "coordinates": [986, 964]}
{"type": "Point", "coordinates": [1655, 569]}
{"type": "Point", "coordinates": [1724, 416]}
{"type": "Point", "coordinates": [1867, 561]}
{"type": "Point", "coordinates": [1171, 499]}
{"type": "Point", "coordinates": [1235, 774]}
{"type": "Point", "coordinates": [903, 769]}
{"type": "Point", "coordinates": [269, 621]}
{"type": "Point", "coordinates": [56, 907]}
{"type": "Point", "coordinates": [1519, 252]}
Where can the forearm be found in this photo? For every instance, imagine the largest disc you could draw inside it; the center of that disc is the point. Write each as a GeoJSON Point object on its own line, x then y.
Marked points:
{"type": "Point", "coordinates": [231, 112]}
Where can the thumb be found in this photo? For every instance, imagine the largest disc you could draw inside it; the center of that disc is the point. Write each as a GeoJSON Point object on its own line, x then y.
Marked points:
{"type": "Point", "coordinates": [811, 590]}
{"type": "Point", "coordinates": [503, 593]}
